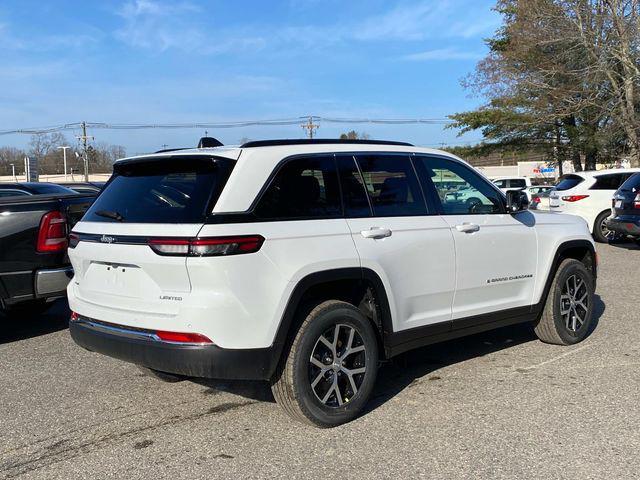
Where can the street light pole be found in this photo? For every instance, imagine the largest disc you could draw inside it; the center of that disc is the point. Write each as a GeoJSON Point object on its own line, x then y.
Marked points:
{"type": "Point", "coordinates": [13, 172]}
{"type": "Point", "coordinates": [64, 153]}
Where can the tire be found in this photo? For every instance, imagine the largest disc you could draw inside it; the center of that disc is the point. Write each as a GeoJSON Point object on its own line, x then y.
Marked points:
{"type": "Point", "coordinates": [316, 361]}
{"type": "Point", "coordinates": [556, 327]}
{"type": "Point", "coordinates": [27, 310]}
{"type": "Point", "coordinates": [165, 377]}
{"type": "Point", "coordinates": [601, 234]}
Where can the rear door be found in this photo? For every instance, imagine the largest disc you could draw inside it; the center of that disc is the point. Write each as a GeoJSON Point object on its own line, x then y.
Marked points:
{"type": "Point", "coordinates": [495, 252]}
{"type": "Point", "coordinates": [396, 236]}
{"type": "Point", "coordinates": [146, 199]}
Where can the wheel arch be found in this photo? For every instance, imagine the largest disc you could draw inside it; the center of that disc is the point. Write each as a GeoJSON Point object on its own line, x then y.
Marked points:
{"type": "Point", "coordinates": [582, 250]}
{"type": "Point", "coordinates": [595, 218]}
{"type": "Point", "coordinates": [355, 284]}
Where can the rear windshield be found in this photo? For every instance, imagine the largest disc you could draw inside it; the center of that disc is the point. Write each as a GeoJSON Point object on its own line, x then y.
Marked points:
{"type": "Point", "coordinates": [175, 190]}
{"type": "Point", "coordinates": [632, 183]}
{"type": "Point", "coordinates": [568, 181]}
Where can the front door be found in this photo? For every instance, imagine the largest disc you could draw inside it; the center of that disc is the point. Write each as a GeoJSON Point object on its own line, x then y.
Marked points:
{"type": "Point", "coordinates": [496, 253]}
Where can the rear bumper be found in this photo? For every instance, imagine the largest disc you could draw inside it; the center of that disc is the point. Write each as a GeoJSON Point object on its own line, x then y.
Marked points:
{"type": "Point", "coordinates": [625, 225]}
{"type": "Point", "coordinates": [194, 360]}
{"type": "Point", "coordinates": [52, 282]}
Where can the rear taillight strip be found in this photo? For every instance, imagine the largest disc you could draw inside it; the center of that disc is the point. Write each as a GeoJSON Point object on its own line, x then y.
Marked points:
{"type": "Point", "coordinates": [574, 198]}
{"type": "Point", "coordinates": [207, 246]}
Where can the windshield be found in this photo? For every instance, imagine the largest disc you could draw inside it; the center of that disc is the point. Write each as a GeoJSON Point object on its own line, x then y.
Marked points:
{"type": "Point", "coordinates": [177, 190]}
{"type": "Point", "coordinates": [568, 181]}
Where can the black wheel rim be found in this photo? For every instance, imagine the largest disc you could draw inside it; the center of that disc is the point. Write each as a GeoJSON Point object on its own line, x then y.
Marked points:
{"type": "Point", "coordinates": [574, 303]}
{"type": "Point", "coordinates": [337, 365]}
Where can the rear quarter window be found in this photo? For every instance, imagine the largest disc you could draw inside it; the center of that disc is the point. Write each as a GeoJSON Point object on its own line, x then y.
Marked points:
{"type": "Point", "coordinates": [178, 190]}
{"type": "Point", "coordinates": [303, 188]}
{"type": "Point", "coordinates": [568, 182]}
{"type": "Point", "coordinates": [608, 182]}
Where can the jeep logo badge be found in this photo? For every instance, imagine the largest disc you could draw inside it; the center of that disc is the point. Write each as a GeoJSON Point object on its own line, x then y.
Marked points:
{"type": "Point", "coordinates": [107, 239]}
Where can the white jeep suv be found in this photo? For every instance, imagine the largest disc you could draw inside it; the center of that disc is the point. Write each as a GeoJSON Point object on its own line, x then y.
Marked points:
{"type": "Point", "coordinates": [306, 263]}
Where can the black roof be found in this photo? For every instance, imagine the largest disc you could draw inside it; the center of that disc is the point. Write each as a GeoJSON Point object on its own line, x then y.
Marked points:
{"type": "Point", "coordinates": [319, 141]}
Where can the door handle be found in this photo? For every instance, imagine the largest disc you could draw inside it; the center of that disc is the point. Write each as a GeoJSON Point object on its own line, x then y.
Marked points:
{"type": "Point", "coordinates": [468, 227]}
{"type": "Point", "coordinates": [376, 232]}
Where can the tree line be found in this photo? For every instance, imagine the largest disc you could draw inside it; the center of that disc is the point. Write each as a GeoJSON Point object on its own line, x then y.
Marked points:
{"type": "Point", "coordinates": [561, 77]}
{"type": "Point", "coordinates": [45, 147]}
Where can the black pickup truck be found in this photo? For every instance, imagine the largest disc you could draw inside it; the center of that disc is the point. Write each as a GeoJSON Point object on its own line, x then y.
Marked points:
{"type": "Point", "coordinates": [34, 265]}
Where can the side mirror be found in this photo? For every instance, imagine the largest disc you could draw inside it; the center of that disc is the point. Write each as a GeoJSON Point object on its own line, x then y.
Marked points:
{"type": "Point", "coordinates": [517, 201]}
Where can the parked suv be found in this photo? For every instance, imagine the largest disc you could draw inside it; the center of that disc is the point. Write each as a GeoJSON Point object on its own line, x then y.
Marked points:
{"type": "Point", "coordinates": [625, 209]}
{"type": "Point", "coordinates": [588, 195]}
{"type": "Point", "coordinates": [306, 263]}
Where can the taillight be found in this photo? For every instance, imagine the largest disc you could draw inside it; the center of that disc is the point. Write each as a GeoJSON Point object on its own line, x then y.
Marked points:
{"type": "Point", "coordinates": [178, 337]}
{"type": "Point", "coordinates": [170, 246]}
{"type": "Point", "coordinates": [206, 247]}
{"type": "Point", "coordinates": [74, 239]}
{"type": "Point", "coordinates": [574, 198]}
{"type": "Point", "coordinates": [535, 199]}
{"type": "Point", "coordinates": [52, 236]}
{"type": "Point", "coordinates": [636, 201]}
{"type": "Point", "coordinates": [74, 316]}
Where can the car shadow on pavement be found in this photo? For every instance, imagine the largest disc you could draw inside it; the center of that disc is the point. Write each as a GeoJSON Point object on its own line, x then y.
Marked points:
{"type": "Point", "coordinates": [54, 319]}
{"type": "Point", "coordinates": [626, 245]}
{"type": "Point", "coordinates": [407, 369]}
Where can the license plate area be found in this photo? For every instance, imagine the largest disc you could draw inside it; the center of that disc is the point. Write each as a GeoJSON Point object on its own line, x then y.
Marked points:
{"type": "Point", "coordinates": [123, 280]}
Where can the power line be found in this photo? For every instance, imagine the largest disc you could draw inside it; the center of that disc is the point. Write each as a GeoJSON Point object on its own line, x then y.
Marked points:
{"type": "Point", "coordinates": [220, 125]}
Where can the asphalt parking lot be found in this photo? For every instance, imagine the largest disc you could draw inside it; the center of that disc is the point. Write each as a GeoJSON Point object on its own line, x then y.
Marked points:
{"type": "Point", "coordinates": [495, 405]}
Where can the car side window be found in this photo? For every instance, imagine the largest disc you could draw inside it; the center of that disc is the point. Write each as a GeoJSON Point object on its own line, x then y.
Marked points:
{"type": "Point", "coordinates": [13, 193]}
{"type": "Point", "coordinates": [517, 183]}
{"type": "Point", "coordinates": [354, 192]}
{"type": "Point", "coordinates": [392, 185]}
{"type": "Point", "coordinates": [608, 182]}
{"type": "Point", "coordinates": [500, 183]}
{"type": "Point", "coordinates": [459, 189]}
{"type": "Point", "coordinates": [302, 188]}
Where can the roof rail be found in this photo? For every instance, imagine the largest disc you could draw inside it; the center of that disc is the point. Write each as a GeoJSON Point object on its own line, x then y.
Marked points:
{"type": "Point", "coordinates": [171, 150]}
{"type": "Point", "coordinates": [319, 141]}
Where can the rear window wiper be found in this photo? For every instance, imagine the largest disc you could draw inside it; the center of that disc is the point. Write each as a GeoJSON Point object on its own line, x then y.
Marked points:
{"type": "Point", "coordinates": [110, 214]}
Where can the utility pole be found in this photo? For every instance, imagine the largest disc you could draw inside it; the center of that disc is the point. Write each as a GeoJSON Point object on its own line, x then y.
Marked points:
{"type": "Point", "coordinates": [64, 153]}
{"type": "Point", "coordinates": [13, 172]}
{"type": "Point", "coordinates": [310, 127]}
{"type": "Point", "coordinates": [83, 138]}
{"type": "Point", "coordinates": [164, 146]}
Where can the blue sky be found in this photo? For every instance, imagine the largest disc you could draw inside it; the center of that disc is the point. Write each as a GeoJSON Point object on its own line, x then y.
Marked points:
{"type": "Point", "coordinates": [156, 61]}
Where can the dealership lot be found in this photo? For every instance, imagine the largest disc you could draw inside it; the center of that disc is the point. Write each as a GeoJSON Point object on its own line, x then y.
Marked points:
{"type": "Point", "coordinates": [497, 405]}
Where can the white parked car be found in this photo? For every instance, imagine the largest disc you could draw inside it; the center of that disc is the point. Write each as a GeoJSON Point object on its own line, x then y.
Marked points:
{"type": "Point", "coordinates": [588, 195]}
{"type": "Point", "coordinates": [306, 263]}
{"type": "Point", "coordinates": [512, 183]}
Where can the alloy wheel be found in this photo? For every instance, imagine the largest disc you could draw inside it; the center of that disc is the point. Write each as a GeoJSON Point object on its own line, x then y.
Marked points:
{"type": "Point", "coordinates": [606, 233]}
{"type": "Point", "coordinates": [337, 365]}
{"type": "Point", "coordinates": [574, 303]}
